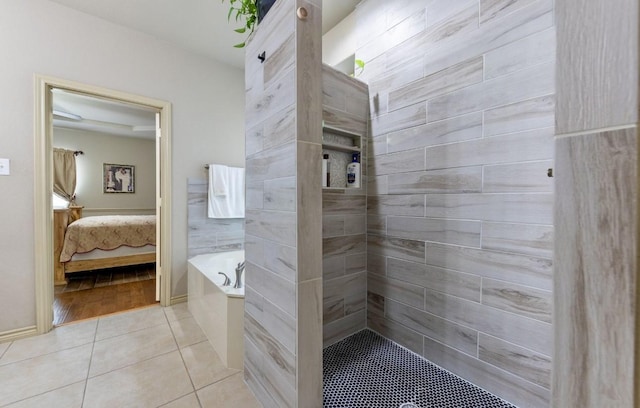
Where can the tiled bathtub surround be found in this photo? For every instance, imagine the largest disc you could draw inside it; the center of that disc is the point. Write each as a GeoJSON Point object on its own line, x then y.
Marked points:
{"type": "Point", "coordinates": [459, 207]}
{"type": "Point", "coordinates": [344, 288]}
{"type": "Point", "coordinates": [207, 235]}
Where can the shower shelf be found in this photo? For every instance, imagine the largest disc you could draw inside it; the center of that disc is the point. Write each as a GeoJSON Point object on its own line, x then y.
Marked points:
{"type": "Point", "coordinates": [340, 144]}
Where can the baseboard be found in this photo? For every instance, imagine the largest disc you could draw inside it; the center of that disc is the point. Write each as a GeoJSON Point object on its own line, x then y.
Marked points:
{"type": "Point", "coordinates": [18, 334]}
{"type": "Point", "coordinates": [179, 299]}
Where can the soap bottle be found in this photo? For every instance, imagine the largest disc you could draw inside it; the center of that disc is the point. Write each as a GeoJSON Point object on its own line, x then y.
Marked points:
{"type": "Point", "coordinates": [326, 168]}
{"type": "Point", "coordinates": [353, 172]}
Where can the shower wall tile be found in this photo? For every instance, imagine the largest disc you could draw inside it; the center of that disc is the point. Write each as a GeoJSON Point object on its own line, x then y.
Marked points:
{"type": "Point", "coordinates": [283, 117]}
{"type": "Point", "coordinates": [511, 387]}
{"type": "Point", "coordinates": [520, 269]}
{"type": "Point", "coordinates": [271, 163]}
{"type": "Point", "coordinates": [528, 364]}
{"type": "Point", "coordinates": [597, 65]}
{"type": "Point", "coordinates": [518, 299]}
{"type": "Point", "coordinates": [272, 287]}
{"type": "Point", "coordinates": [376, 224]}
{"type": "Point", "coordinates": [530, 114]}
{"type": "Point", "coordinates": [516, 208]}
{"type": "Point", "coordinates": [341, 204]}
{"type": "Point", "coordinates": [455, 180]}
{"type": "Point", "coordinates": [458, 129]}
{"type": "Point", "coordinates": [276, 226]}
{"type": "Point", "coordinates": [344, 120]}
{"type": "Point", "coordinates": [355, 263]}
{"type": "Point", "coordinates": [520, 24]}
{"type": "Point", "coordinates": [463, 285]}
{"type": "Point", "coordinates": [337, 330]}
{"type": "Point", "coordinates": [345, 106]}
{"type": "Point", "coordinates": [473, 228]}
{"type": "Point", "coordinates": [344, 245]}
{"type": "Point", "coordinates": [457, 336]}
{"type": "Point", "coordinates": [529, 333]}
{"type": "Point", "coordinates": [518, 86]}
{"type": "Point", "coordinates": [534, 240]}
{"type": "Point", "coordinates": [406, 249]}
{"type": "Point", "coordinates": [445, 231]}
{"type": "Point", "coordinates": [278, 96]}
{"type": "Point", "coordinates": [597, 289]}
{"type": "Point", "coordinates": [528, 177]}
{"type": "Point", "coordinates": [279, 128]}
{"type": "Point", "coordinates": [333, 266]}
{"type": "Point", "coordinates": [400, 334]}
{"type": "Point", "coordinates": [448, 80]}
{"type": "Point", "coordinates": [531, 50]}
{"type": "Point", "coordinates": [280, 194]}
{"type": "Point", "coordinates": [280, 259]}
{"type": "Point", "coordinates": [494, 9]}
{"type": "Point", "coordinates": [412, 295]}
{"type": "Point", "coordinates": [409, 116]}
{"type": "Point", "coordinates": [393, 163]}
{"type": "Point", "coordinates": [517, 147]}
{"type": "Point", "coordinates": [409, 205]}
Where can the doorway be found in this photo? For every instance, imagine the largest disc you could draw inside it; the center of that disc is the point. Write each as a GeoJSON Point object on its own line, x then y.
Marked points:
{"type": "Point", "coordinates": [158, 131]}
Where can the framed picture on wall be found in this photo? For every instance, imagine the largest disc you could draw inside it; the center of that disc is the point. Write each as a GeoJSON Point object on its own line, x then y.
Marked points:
{"type": "Point", "coordinates": [118, 178]}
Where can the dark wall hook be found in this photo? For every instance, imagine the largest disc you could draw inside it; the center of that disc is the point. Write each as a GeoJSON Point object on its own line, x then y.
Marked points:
{"type": "Point", "coordinates": [262, 56]}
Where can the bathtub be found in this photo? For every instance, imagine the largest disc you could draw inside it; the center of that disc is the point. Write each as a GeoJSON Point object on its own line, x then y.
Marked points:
{"type": "Point", "coordinates": [219, 310]}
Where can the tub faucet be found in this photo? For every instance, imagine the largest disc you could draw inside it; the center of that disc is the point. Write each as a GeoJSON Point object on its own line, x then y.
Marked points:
{"type": "Point", "coordinates": [239, 270]}
{"type": "Point", "coordinates": [227, 281]}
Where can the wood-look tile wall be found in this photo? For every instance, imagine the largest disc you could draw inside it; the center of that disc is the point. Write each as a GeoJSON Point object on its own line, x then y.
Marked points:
{"type": "Point", "coordinates": [207, 235]}
{"type": "Point", "coordinates": [283, 296]}
{"type": "Point", "coordinates": [345, 105]}
{"type": "Point", "coordinates": [596, 360]}
{"type": "Point", "coordinates": [460, 208]}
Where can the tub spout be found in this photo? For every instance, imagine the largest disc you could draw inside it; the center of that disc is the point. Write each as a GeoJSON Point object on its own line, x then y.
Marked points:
{"type": "Point", "coordinates": [227, 281]}
{"type": "Point", "coordinates": [239, 270]}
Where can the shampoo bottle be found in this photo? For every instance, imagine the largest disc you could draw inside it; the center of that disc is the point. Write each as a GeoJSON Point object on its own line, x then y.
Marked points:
{"type": "Point", "coordinates": [325, 170]}
{"type": "Point", "coordinates": [353, 172]}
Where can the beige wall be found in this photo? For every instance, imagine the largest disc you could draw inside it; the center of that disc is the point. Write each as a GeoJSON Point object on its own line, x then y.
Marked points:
{"type": "Point", "coordinates": [100, 148]}
{"type": "Point", "coordinates": [42, 37]}
{"type": "Point", "coordinates": [460, 208]}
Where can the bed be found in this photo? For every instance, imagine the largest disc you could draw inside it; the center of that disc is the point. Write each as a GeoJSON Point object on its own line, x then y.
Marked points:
{"type": "Point", "coordinates": [108, 241]}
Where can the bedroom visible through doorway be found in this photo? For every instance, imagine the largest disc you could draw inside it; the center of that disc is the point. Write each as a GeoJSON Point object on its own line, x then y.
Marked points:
{"type": "Point", "coordinates": [107, 249]}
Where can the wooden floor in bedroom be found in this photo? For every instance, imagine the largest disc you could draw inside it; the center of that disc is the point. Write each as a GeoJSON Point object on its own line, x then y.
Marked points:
{"type": "Point", "coordinates": [117, 296]}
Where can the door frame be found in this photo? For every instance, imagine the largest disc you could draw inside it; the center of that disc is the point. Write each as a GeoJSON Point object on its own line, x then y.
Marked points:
{"type": "Point", "coordinates": [43, 215]}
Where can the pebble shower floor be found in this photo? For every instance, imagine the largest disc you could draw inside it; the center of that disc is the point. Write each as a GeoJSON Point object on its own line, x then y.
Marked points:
{"type": "Point", "coordinates": [366, 370]}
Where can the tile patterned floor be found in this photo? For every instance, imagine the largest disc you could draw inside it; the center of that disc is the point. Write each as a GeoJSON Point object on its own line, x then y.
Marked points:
{"type": "Point", "coordinates": [368, 371]}
{"type": "Point", "coordinates": [153, 357]}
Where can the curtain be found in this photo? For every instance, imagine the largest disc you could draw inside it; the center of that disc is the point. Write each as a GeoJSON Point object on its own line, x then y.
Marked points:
{"type": "Point", "coordinates": [64, 174]}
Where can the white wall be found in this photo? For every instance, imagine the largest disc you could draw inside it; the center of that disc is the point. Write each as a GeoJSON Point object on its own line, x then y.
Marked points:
{"type": "Point", "coordinates": [340, 42]}
{"type": "Point", "coordinates": [38, 36]}
{"type": "Point", "coordinates": [100, 148]}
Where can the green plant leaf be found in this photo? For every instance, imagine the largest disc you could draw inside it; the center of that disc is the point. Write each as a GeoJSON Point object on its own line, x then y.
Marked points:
{"type": "Point", "coordinates": [240, 30]}
{"type": "Point", "coordinates": [241, 45]}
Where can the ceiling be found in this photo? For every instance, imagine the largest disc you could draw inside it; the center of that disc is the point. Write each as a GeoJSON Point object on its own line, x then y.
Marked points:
{"type": "Point", "coordinates": [199, 26]}
{"type": "Point", "coordinates": [82, 112]}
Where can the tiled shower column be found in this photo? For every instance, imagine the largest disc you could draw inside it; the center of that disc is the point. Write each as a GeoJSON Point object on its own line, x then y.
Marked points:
{"type": "Point", "coordinates": [283, 296]}
{"type": "Point", "coordinates": [596, 212]}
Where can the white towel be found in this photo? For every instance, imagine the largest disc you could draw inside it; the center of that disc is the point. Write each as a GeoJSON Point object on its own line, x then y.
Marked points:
{"type": "Point", "coordinates": [231, 204]}
{"type": "Point", "coordinates": [218, 179]}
